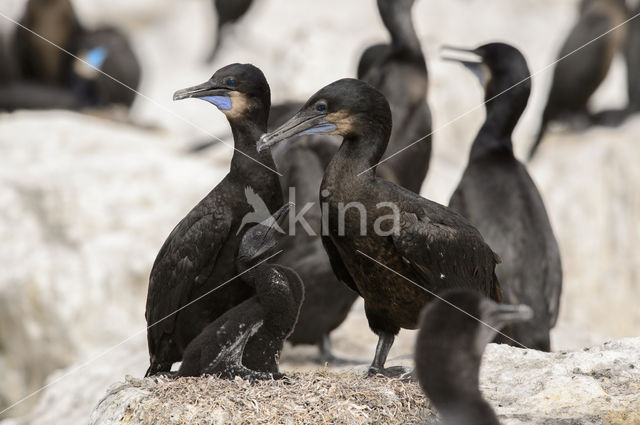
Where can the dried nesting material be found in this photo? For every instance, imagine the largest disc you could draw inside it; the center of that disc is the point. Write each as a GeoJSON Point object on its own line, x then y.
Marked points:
{"type": "Point", "coordinates": [305, 398]}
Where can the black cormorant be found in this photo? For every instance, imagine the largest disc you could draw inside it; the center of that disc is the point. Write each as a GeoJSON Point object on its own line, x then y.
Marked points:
{"type": "Point", "coordinates": [378, 234]}
{"type": "Point", "coordinates": [247, 340]}
{"type": "Point", "coordinates": [449, 350]}
{"type": "Point", "coordinates": [228, 12]}
{"type": "Point", "coordinates": [578, 75]}
{"type": "Point", "coordinates": [199, 254]}
{"type": "Point", "coordinates": [399, 71]}
{"type": "Point", "coordinates": [632, 57]}
{"type": "Point", "coordinates": [498, 196]}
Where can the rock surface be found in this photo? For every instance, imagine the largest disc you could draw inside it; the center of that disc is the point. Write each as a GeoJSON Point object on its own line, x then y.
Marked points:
{"type": "Point", "coordinates": [599, 385]}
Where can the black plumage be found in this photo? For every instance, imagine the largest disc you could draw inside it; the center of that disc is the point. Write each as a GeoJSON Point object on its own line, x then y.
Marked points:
{"type": "Point", "coordinates": [632, 57]}
{"type": "Point", "coordinates": [247, 340]}
{"type": "Point", "coordinates": [199, 254]}
{"type": "Point", "coordinates": [408, 235]}
{"type": "Point", "coordinates": [327, 300]}
{"type": "Point", "coordinates": [449, 349]}
{"type": "Point", "coordinates": [498, 196]}
{"type": "Point", "coordinates": [399, 71]}
{"type": "Point", "coordinates": [228, 12]}
{"type": "Point", "coordinates": [577, 75]}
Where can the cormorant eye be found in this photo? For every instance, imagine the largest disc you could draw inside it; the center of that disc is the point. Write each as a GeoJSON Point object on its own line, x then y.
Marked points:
{"type": "Point", "coordinates": [321, 107]}
{"type": "Point", "coordinates": [230, 82]}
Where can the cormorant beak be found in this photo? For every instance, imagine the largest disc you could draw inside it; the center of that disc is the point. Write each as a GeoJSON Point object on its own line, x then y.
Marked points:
{"type": "Point", "coordinates": [304, 122]}
{"type": "Point", "coordinates": [218, 96]}
{"type": "Point", "coordinates": [470, 59]}
{"type": "Point", "coordinates": [272, 231]}
{"type": "Point", "coordinates": [501, 314]}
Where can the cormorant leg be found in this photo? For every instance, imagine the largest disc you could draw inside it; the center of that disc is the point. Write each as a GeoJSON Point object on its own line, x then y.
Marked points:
{"type": "Point", "coordinates": [385, 341]}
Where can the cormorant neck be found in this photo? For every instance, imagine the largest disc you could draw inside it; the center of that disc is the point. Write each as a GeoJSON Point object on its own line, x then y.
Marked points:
{"type": "Point", "coordinates": [396, 16]}
{"type": "Point", "coordinates": [361, 151]}
{"type": "Point", "coordinates": [246, 131]}
{"type": "Point", "coordinates": [503, 114]}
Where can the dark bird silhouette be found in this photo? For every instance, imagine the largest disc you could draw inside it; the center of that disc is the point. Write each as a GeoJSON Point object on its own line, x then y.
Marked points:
{"type": "Point", "coordinates": [228, 11]}
{"type": "Point", "coordinates": [41, 64]}
{"type": "Point", "coordinates": [200, 253]}
{"type": "Point", "coordinates": [327, 300]}
{"type": "Point", "coordinates": [19, 94]}
{"type": "Point", "coordinates": [577, 76]}
{"type": "Point", "coordinates": [449, 350]}
{"type": "Point", "coordinates": [369, 220]}
{"type": "Point", "coordinates": [247, 340]}
{"type": "Point", "coordinates": [498, 196]}
{"type": "Point", "coordinates": [399, 71]}
{"type": "Point", "coordinates": [632, 57]}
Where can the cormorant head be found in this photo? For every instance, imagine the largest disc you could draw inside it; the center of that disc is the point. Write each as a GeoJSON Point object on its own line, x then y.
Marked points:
{"type": "Point", "coordinates": [499, 67]}
{"type": "Point", "coordinates": [452, 339]}
{"type": "Point", "coordinates": [237, 90]}
{"type": "Point", "coordinates": [346, 107]}
{"type": "Point", "coordinates": [260, 240]}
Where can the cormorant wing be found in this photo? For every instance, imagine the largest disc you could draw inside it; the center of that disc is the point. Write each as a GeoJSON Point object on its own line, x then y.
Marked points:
{"type": "Point", "coordinates": [440, 246]}
{"type": "Point", "coordinates": [553, 283]}
{"type": "Point", "coordinates": [339, 269]}
{"type": "Point", "coordinates": [186, 259]}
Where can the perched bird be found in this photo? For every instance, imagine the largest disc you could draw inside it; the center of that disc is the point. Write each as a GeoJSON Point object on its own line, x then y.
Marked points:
{"type": "Point", "coordinates": [246, 341]}
{"type": "Point", "coordinates": [38, 62]}
{"type": "Point", "coordinates": [399, 71]}
{"type": "Point", "coordinates": [19, 94]}
{"type": "Point", "coordinates": [199, 256]}
{"type": "Point", "coordinates": [327, 300]}
{"type": "Point", "coordinates": [498, 196]}
{"type": "Point", "coordinates": [385, 242]}
{"type": "Point", "coordinates": [632, 57]}
{"type": "Point", "coordinates": [578, 73]}
{"type": "Point", "coordinates": [228, 11]}
{"type": "Point", "coordinates": [449, 350]}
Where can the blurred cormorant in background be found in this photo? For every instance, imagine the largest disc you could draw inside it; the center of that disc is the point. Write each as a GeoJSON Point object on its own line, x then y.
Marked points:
{"type": "Point", "coordinates": [39, 63]}
{"type": "Point", "coordinates": [578, 75]}
{"type": "Point", "coordinates": [399, 71]}
{"type": "Point", "coordinates": [228, 11]}
{"type": "Point", "coordinates": [498, 196]}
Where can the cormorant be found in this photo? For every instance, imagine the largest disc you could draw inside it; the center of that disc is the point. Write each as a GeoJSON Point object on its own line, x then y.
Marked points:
{"type": "Point", "coordinates": [199, 255]}
{"type": "Point", "coordinates": [632, 57]}
{"type": "Point", "coordinates": [449, 350]}
{"type": "Point", "coordinates": [399, 71]}
{"type": "Point", "coordinates": [16, 94]}
{"type": "Point", "coordinates": [228, 12]}
{"type": "Point", "coordinates": [498, 196]}
{"type": "Point", "coordinates": [385, 242]}
{"type": "Point", "coordinates": [327, 300]}
{"type": "Point", "coordinates": [578, 75]}
{"type": "Point", "coordinates": [247, 340]}
{"type": "Point", "coordinates": [40, 63]}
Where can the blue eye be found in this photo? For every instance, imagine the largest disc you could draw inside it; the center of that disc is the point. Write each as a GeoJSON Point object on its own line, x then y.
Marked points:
{"type": "Point", "coordinates": [321, 107]}
{"type": "Point", "coordinates": [231, 82]}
